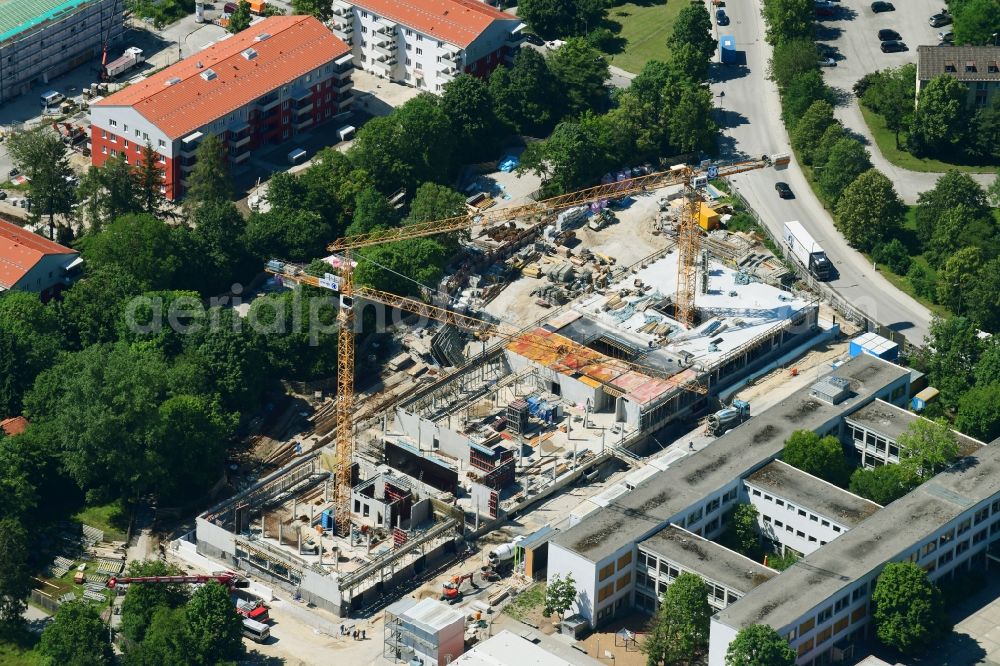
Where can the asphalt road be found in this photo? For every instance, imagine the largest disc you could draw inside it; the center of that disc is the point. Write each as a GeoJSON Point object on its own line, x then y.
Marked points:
{"type": "Point", "coordinates": [751, 117]}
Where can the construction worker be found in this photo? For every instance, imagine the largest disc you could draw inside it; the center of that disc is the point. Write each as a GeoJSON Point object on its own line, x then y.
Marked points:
{"type": "Point", "coordinates": [690, 446]}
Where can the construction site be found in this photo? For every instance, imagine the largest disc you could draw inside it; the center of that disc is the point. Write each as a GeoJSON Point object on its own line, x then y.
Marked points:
{"type": "Point", "coordinates": [478, 417]}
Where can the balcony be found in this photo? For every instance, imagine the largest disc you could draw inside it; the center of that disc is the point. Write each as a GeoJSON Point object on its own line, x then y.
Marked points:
{"type": "Point", "coordinates": [448, 72]}
{"type": "Point", "coordinates": [343, 28]}
{"type": "Point", "coordinates": [268, 102]}
{"type": "Point", "coordinates": [303, 124]}
{"type": "Point", "coordinates": [190, 143]}
{"type": "Point", "coordinates": [514, 41]}
{"type": "Point", "coordinates": [385, 28]}
{"type": "Point", "coordinates": [239, 158]}
{"type": "Point", "coordinates": [302, 108]}
{"type": "Point", "coordinates": [342, 87]}
{"type": "Point", "coordinates": [451, 54]}
{"type": "Point", "coordinates": [342, 10]}
{"type": "Point", "coordinates": [386, 46]}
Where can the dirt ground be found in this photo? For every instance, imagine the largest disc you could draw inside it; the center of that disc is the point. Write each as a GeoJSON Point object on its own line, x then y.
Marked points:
{"type": "Point", "coordinates": [626, 653]}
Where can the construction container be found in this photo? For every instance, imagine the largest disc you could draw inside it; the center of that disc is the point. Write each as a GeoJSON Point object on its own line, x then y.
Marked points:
{"type": "Point", "coordinates": [708, 219]}
{"type": "Point", "coordinates": [874, 345]}
{"type": "Point", "coordinates": [920, 400]}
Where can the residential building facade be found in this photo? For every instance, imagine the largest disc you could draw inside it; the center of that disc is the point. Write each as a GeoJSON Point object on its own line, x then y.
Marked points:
{"type": "Point", "coordinates": [978, 67]}
{"type": "Point", "coordinates": [41, 39]}
{"type": "Point", "coordinates": [426, 43]}
{"type": "Point", "coordinates": [261, 87]}
{"type": "Point", "coordinates": [29, 262]}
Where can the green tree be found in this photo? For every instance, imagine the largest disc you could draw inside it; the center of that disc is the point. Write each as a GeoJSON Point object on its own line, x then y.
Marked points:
{"type": "Point", "coordinates": [923, 280]}
{"type": "Point", "coordinates": [949, 357]}
{"type": "Point", "coordinates": [894, 255]}
{"type": "Point", "coordinates": [567, 160]}
{"type": "Point", "coordinates": [848, 159]}
{"type": "Point", "coordinates": [787, 19]}
{"type": "Point", "coordinates": [909, 610]}
{"type": "Point", "coordinates": [810, 128]}
{"type": "Point", "coordinates": [141, 247]}
{"type": "Point", "coordinates": [372, 212]}
{"type": "Point", "coordinates": [435, 202]}
{"type": "Point", "coordinates": [120, 194]}
{"type": "Point", "coordinates": [403, 266]}
{"type": "Point", "coordinates": [93, 306]}
{"type": "Point", "coordinates": [759, 645]}
{"type": "Point", "coordinates": [979, 412]}
{"type": "Point", "coordinates": [988, 366]}
{"type": "Point", "coordinates": [467, 102]}
{"type": "Point", "coordinates": [686, 62]}
{"type": "Point", "coordinates": [961, 227]}
{"type": "Point", "coordinates": [319, 8]}
{"type": "Point", "coordinates": [42, 156]}
{"type": "Point", "coordinates": [819, 456]}
{"type": "Point", "coordinates": [149, 180]}
{"type": "Point", "coordinates": [834, 133]}
{"type": "Point", "coordinates": [76, 636]}
{"type": "Point", "coordinates": [984, 300]}
{"type": "Point", "coordinates": [993, 193]}
{"type": "Point", "coordinates": [188, 444]}
{"type": "Point", "coordinates": [294, 350]}
{"type": "Point", "coordinates": [30, 341]}
{"type": "Point", "coordinates": [941, 119]}
{"type": "Point", "coordinates": [143, 601]}
{"type": "Point", "coordinates": [792, 58]}
{"type": "Point", "coordinates": [233, 358]}
{"type": "Point", "coordinates": [209, 179]}
{"type": "Point", "coordinates": [219, 236]}
{"type": "Point", "coordinates": [884, 484]}
{"type": "Point", "coordinates": [800, 94]}
{"type": "Point", "coordinates": [560, 595]}
{"type": "Point", "coordinates": [985, 139]}
{"type": "Point", "coordinates": [526, 95]}
{"type": "Point", "coordinates": [693, 27]}
{"type": "Point", "coordinates": [295, 235]}
{"type": "Point", "coordinates": [559, 18]}
{"type": "Point", "coordinates": [580, 72]}
{"type": "Point", "coordinates": [15, 574]}
{"type": "Point", "coordinates": [891, 94]}
{"type": "Point", "coordinates": [166, 642]}
{"type": "Point", "coordinates": [926, 448]}
{"type": "Point", "coordinates": [976, 22]}
{"type": "Point", "coordinates": [959, 277]}
{"type": "Point", "coordinates": [213, 627]}
{"type": "Point", "coordinates": [90, 200]}
{"type": "Point", "coordinates": [691, 125]}
{"type": "Point", "coordinates": [869, 210]}
{"type": "Point", "coordinates": [679, 632]}
{"type": "Point", "coordinates": [951, 190]}
{"type": "Point", "coordinates": [742, 529]}
{"type": "Point", "coordinates": [240, 19]}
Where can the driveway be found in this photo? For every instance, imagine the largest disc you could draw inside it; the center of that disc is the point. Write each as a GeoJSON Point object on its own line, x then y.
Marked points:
{"type": "Point", "coordinates": [750, 114]}
{"type": "Point", "coordinates": [853, 32]}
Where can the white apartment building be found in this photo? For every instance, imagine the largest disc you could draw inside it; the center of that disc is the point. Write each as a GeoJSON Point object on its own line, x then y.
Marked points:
{"type": "Point", "coordinates": [426, 43]}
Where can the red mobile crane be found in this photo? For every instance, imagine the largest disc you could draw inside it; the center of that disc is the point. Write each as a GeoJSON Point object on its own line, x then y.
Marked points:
{"type": "Point", "coordinates": [254, 610]}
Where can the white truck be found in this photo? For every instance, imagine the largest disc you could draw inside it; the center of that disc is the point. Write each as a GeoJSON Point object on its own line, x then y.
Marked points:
{"type": "Point", "coordinates": [132, 57]}
{"type": "Point", "coordinates": [806, 251]}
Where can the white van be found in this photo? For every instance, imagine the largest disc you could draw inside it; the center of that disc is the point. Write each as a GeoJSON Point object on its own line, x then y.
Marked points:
{"type": "Point", "coordinates": [346, 133]}
{"type": "Point", "coordinates": [256, 631]}
{"type": "Point", "coordinates": [52, 98]}
{"type": "Point", "coordinates": [297, 156]}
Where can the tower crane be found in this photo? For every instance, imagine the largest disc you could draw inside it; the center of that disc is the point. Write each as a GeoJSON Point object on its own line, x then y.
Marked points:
{"type": "Point", "coordinates": [688, 237]}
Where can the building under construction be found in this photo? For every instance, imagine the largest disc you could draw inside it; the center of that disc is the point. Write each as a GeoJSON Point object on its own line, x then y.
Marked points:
{"type": "Point", "coordinates": [282, 530]}
{"type": "Point", "coordinates": [599, 377]}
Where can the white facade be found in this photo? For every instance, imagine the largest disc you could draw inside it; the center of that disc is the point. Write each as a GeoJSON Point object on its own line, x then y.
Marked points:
{"type": "Point", "coordinates": [796, 527]}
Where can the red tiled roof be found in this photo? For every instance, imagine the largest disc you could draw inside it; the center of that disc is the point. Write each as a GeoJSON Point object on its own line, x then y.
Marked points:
{"type": "Point", "coordinates": [457, 22]}
{"type": "Point", "coordinates": [14, 426]}
{"type": "Point", "coordinates": [296, 46]}
{"type": "Point", "coordinates": [20, 250]}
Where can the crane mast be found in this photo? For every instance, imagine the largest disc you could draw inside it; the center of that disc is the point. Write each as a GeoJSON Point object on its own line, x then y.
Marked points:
{"type": "Point", "coordinates": [688, 239]}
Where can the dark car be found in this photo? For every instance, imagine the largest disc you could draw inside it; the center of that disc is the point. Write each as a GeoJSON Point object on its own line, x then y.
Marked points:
{"type": "Point", "coordinates": [893, 46]}
{"type": "Point", "coordinates": [879, 7]}
{"type": "Point", "coordinates": [3, 195]}
{"type": "Point", "coordinates": [940, 20]}
{"type": "Point", "coordinates": [783, 190]}
{"type": "Point", "coordinates": [533, 39]}
{"type": "Point", "coordinates": [720, 17]}
{"type": "Point", "coordinates": [887, 35]}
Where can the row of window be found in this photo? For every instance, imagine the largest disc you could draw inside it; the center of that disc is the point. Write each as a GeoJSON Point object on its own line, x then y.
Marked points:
{"type": "Point", "coordinates": [868, 440]}
{"type": "Point", "coordinates": [796, 510]}
{"type": "Point", "coordinates": [406, 31]}
{"type": "Point", "coordinates": [791, 530]}
{"type": "Point", "coordinates": [666, 573]}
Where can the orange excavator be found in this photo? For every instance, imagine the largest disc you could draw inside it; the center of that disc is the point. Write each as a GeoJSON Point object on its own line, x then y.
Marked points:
{"type": "Point", "coordinates": [452, 590]}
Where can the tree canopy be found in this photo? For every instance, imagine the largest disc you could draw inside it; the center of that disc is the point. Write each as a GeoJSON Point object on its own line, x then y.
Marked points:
{"type": "Point", "coordinates": [848, 159]}
{"type": "Point", "coordinates": [42, 156]}
{"type": "Point", "coordinates": [819, 456]}
{"type": "Point", "coordinates": [883, 484]}
{"type": "Point", "coordinates": [679, 632]}
{"type": "Point", "coordinates": [909, 610]}
{"type": "Point", "coordinates": [869, 210]}
{"type": "Point", "coordinates": [759, 645]}
{"type": "Point", "coordinates": [560, 18]}
{"type": "Point", "coordinates": [76, 636]}
{"type": "Point", "coordinates": [926, 448]}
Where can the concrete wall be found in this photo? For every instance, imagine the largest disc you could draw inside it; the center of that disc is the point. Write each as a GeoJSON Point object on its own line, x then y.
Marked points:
{"type": "Point", "coordinates": [322, 590]}
{"type": "Point", "coordinates": [719, 638]}
{"type": "Point", "coordinates": [563, 562]}
{"type": "Point", "coordinates": [215, 541]}
{"type": "Point", "coordinates": [424, 432]}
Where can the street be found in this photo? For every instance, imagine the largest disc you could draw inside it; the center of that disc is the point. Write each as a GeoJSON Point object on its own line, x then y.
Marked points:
{"type": "Point", "coordinates": [750, 116]}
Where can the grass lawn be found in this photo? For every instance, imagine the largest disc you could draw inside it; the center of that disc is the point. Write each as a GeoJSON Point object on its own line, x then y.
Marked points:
{"type": "Point", "coordinates": [111, 518]}
{"type": "Point", "coordinates": [887, 145]}
{"type": "Point", "coordinates": [645, 28]}
{"type": "Point", "coordinates": [12, 654]}
{"type": "Point", "coordinates": [531, 599]}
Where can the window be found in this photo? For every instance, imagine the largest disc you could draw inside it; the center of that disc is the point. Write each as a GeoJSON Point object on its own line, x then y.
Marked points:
{"type": "Point", "coordinates": [145, 137]}
{"type": "Point", "coordinates": [860, 592]}
{"type": "Point", "coordinates": [979, 537]}
{"type": "Point", "coordinates": [806, 626]}
{"type": "Point", "coordinates": [420, 51]}
{"type": "Point", "coordinates": [789, 529]}
{"type": "Point", "coordinates": [962, 547]}
{"type": "Point", "coordinates": [364, 14]}
{"type": "Point", "coordinates": [928, 549]}
{"type": "Point", "coordinates": [813, 517]}
{"type": "Point", "coordinates": [835, 528]}
{"type": "Point", "coordinates": [812, 539]}
{"type": "Point", "coordinates": [114, 153]}
{"type": "Point", "coordinates": [766, 519]}
{"type": "Point", "coordinates": [364, 29]}
{"type": "Point", "coordinates": [420, 38]}
{"type": "Point", "coordinates": [605, 592]}
{"type": "Point", "coordinates": [113, 123]}
{"type": "Point", "coordinates": [779, 502]}
{"type": "Point", "coordinates": [996, 506]}
{"type": "Point", "coordinates": [755, 492]}
{"type": "Point", "coordinates": [768, 498]}
{"type": "Point", "coordinates": [840, 624]}
{"type": "Point", "coordinates": [694, 516]}
{"type": "Point", "coordinates": [623, 581]}
{"type": "Point", "coordinates": [965, 526]}
{"type": "Point", "coordinates": [408, 62]}
{"type": "Point", "coordinates": [859, 614]}
{"type": "Point", "coordinates": [825, 523]}
{"type": "Point", "coordinates": [792, 635]}
{"type": "Point", "coordinates": [104, 151]}
{"type": "Point", "coordinates": [104, 134]}
{"type": "Point", "coordinates": [138, 133]}
{"type": "Point", "coordinates": [624, 560]}
{"type": "Point", "coordinates": [408, 32]}
{"type": "Point", "coordinates": [981, 515]}
{"type": "Point", "coordinates": [712, 506]}
{"type": "Point", "coordinates": [642, 580]}
{"type": "Point", "coordinates": [946, 537]}
{"type": "Point", "coordinates": [409, 47]}
{"type": "Point", "coordinates": [946, 558]}
{"type": "Point", "coordinates": [841, 604]}
{"type": "Point", "coordinates": [824, 615]}
{"type": "Point", "coordinates": [802, 512]}
{"type": "Point", "coordinates": [730, 496]}
{"type": "Point", "coordinates": [800, 534]}
{"type": "Point", "coordinates": [605, 572]}
{"type": "Point", "coordinates": [125, 158]}
{"type": "Point", "coordinates": [778, 523]}
{"type": "Point", "coordinates": [805, 647]}
{"type": "Point", "coordinates": [440, 45]}
{"type": "Point", "coordinates": [419, 65]}
{"type": "Point", "coordinates": [125, 144]}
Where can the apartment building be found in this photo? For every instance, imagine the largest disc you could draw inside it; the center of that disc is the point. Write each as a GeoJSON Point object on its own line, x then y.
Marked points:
{"type": "Point", "coordinates": [872, 432]}
{"type": "Point", "coordinates": [822, 603]}
{"type": "Point", "coordinates": [261, 87]}
{"type": "Point", "coordinates": [41, 39]}
{"type": "Point", "coordinates": [426, 43]}
{"type": "Point", "coordinates": [696, 491]}
{"type": "Point", "coordinates": [29, 262]}
{"type": "Point", "coordinates": [978, 67]}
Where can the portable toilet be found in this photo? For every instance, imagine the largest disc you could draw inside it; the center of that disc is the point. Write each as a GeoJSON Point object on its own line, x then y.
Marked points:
{"type": "Point", "coordinates": [708, 219]}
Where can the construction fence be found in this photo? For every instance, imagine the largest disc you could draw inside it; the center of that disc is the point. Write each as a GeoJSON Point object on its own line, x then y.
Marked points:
{"type": "Point", "coordinates": [825, 292]}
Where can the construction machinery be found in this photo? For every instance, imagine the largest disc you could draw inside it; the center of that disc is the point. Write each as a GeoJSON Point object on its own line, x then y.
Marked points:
{"type": "Point", "coordinates": [452, 590]}
{"type": "Point", "coordinates": [728, 418]}
{"type": "Point", "coordinates": [691, 177]}
{"type": "Point", "coordinates": [501, 554]}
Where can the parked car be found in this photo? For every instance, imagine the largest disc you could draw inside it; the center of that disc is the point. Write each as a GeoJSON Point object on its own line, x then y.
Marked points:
{"type": "Point", "coordinates": [940, 20]}
{"type": "Point", "coordinates": [946, 36]}
{"type": "Point", "coordinates": [3, 195]}
{"type": "Point", "coordinates": [893, 46]}
{"type": "Point", "coordinates": [720, 16]}
{"type": "Point", "coordinates": [783, 190]}
{"type": "Point", "coordinates": [826, 51]}
{"type": "Point", "coordinates": [879, 7]}
{"type": "Point", "coordinates": [13, 172]}
{"type": "Point", "coordinates": [887, 35]}
{"type": "Point", "coordinates": [824, 10]}
{"type": "Point", "coordinates": [533, 39]}
{"type": "Point", "coordinates": [827, 62]}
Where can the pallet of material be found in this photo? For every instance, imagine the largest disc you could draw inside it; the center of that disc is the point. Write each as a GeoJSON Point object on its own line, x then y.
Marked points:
{"type": "Point", "coordinates": [532, 270]}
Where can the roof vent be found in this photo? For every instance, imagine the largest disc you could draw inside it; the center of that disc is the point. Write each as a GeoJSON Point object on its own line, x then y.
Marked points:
{"type": "Point", "coordinates": [832, 390]}
{"type": "Point", "coordinates": [173, 80]}
{"type": "Point", "coordinates": [262, 36]}
{"type": "Point", "coordinates": [249, 54]}
{"type": "Point", "coordinates": [208, 74]}
{"type": "Point", "coordinates": [200, 65]}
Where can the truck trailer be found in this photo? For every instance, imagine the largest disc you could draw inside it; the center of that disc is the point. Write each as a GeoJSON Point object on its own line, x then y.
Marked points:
{"type": "Point", "coordinates": [132, 57]}
{"type": "Point", "coordinates": [806, 251]}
